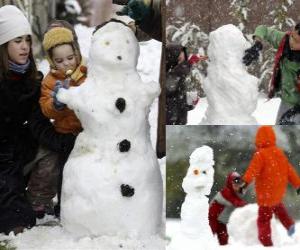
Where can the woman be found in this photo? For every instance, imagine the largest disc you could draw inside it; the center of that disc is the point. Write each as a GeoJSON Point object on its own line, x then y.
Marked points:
{"type": "Point", "coordinates": [20, 115]}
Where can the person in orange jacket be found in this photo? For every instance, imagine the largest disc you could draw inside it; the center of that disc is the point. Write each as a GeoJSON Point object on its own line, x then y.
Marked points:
{"type": "Point", "coordinates": [67, 69]}
{"type": "Point", "coordinates": [272, 172]}
{"type": "Point", "coordinates": [64, 57]}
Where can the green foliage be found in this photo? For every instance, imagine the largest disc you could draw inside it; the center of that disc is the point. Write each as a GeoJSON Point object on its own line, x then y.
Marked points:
{"type": "Point", "coordinates": [240, 12]}
{"type": "Point", "coordinates": [4, 245]}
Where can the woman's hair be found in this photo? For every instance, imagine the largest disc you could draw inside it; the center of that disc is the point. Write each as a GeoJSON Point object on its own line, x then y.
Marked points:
{"type": "Point", "coordinates": [4, 69]}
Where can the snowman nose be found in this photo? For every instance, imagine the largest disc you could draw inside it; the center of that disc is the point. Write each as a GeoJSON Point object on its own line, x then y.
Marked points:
{"type": "Point", "coordinates": [127, 190]}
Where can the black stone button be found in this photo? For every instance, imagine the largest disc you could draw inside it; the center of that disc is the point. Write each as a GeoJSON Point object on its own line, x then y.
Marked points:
{"type": "Point", "coordinates": [124, 146]}
{"type": "Point", "coordinates": [126, 190]}
{"type": "Point", "coordinates": [120, 104]}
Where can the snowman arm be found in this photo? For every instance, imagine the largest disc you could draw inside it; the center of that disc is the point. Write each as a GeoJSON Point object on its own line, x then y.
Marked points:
{"type": "Point", "coordinates": [152, 89]}
{"type": "Point", "coordinates": [71, 97]}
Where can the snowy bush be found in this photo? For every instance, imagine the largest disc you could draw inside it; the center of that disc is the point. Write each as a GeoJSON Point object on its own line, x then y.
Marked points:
{"type": "Point", "coordinates": [195, 40]}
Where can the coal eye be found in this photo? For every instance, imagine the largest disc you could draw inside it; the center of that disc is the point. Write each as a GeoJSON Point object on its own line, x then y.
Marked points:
{"type": "Point", "coordinates": [107, 43]}
{"type": "Point", "coordinates": [204, 172]}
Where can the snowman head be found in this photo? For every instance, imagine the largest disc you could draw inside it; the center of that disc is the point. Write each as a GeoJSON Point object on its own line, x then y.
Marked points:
{"type": "Point", "coordinates": [227, 43]}
{"type": "Point", "coordinates": [114, 46]}
{"type": "Point", "coordinates": [200, 175]}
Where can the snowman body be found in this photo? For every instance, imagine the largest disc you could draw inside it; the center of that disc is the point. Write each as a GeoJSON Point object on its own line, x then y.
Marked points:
{"type": "Point", "coordinates": [111, 182]}
{"type": "Point", "coordinates": [232, 93]}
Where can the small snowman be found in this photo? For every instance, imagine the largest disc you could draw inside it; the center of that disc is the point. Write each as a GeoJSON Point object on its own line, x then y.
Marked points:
{"type": "Point", "coordinates": [197, 185]}
{"type": "Point", "coordinates": [112, 184]}
{"type": "Point", "coordinates": [195, 232]}
{"type": "Point", "coordinates": [232, 93]}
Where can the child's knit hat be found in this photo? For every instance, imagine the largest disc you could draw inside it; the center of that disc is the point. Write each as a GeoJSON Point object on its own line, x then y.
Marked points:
{"type": "Point", "coordinates": [13, 24]}
{"type": "Point", "coordinates": [54, 37]}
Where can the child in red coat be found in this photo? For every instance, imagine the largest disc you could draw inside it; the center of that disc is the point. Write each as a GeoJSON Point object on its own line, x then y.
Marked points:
{"type": "Point", "coordinates": [223, 204]}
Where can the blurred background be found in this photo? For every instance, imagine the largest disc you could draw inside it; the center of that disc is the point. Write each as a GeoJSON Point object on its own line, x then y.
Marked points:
{"type": "Point", "coordinates": [41, 12]}
{"type": "Point", "coordinates": [233, 148]}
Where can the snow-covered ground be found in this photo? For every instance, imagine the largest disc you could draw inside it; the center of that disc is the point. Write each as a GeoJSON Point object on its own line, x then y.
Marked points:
{"type": "Point", "coordinates": [45, 237]}
{"type": "Point", "coordinates": [265, 112]}
{"type": "Point", "coordinates": [173, 228]}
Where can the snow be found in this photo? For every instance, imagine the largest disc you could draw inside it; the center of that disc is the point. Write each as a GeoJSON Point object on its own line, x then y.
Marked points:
{"type": "Point", "coordinates": [45, 237]}
{"type": "Point", "coordinates": [265, 113]}
{"type": "Point", "coordinates": [242, 233]}
{"type": "Point", "coordinates": [232, 93]}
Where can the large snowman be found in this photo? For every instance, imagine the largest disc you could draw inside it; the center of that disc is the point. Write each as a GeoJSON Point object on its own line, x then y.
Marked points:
{"type": "Point", "coordinates": [111, 182]}
{"type": "Point", "coordinates": [195, 231]}
{"type": "Point", "coordinates": [232, 93]}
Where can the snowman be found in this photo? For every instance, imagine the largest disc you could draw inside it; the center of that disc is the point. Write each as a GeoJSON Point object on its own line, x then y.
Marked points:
{"type": "Point", "coordinates": [111, 182]}
{"type": "Point", "coordinates": [232, 93]}
{"type": "Point", "coordinates": [195, 231]}
{"type": "Point", "coordinates": [197, 185]}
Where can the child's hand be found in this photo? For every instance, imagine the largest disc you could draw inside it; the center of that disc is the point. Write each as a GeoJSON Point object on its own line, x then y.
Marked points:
{"type": "Point", "coordinates": [57, 104]}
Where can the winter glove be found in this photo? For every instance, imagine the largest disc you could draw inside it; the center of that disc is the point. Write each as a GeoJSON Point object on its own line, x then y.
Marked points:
{"type": "Point", "coordinates": [58, 85]}
{"type": "Point", "coordinates": [137, 9]}
{"type": "Point", "coordinates": [252, 54]}
{"type": "Point", "coordinates": [298, 191]}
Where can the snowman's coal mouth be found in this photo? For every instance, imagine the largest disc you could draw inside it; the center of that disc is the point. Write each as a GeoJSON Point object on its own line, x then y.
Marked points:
{"type": "Point", "coordinates": [127, 190]}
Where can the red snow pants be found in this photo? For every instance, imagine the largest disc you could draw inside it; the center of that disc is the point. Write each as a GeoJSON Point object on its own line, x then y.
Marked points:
{"type": "Point", "coordinates": [217, 227]}
{"type": "Point", "coordinates": [264, 222]}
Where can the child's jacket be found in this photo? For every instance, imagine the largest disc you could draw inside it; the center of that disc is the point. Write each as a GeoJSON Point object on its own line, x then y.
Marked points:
{"type": "Point", "coordinates": [225, 201]}
{"type": "Point", "coordinates": [270, 169]}
{"type": "Point", "coordinates": [65, 121]}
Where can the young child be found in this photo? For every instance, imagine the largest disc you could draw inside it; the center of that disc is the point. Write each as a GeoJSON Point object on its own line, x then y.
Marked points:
{"type": "Point", "coordinates": [272, 172]}
{"type": "Point", "coordinates": [66, 69]}
{"type": "Point", "coordinates": [223, 204]}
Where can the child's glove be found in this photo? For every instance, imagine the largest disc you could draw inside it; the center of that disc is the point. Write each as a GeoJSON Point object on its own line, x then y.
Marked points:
{"type": "Point", "coordinates": [58, 85]}
{"type": "Point", "coordinates": [252, 54]}
{"type": "Point", "coordinates": [137, 9]}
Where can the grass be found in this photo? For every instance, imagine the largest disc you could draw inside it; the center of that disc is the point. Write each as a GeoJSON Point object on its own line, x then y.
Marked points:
{"type": "Point", "coordinates": [4, 245]}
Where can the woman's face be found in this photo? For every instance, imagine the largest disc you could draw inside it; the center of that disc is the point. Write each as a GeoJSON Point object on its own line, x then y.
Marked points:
{"type": "Point", "coordinates": [18, 49]}
{"type": "Point", "coordinates": [64, 58]}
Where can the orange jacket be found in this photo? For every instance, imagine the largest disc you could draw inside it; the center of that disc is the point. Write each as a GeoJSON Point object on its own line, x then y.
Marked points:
{"type": "Point", "coordinates": [270, 168]}
{"type": "Point", "coordinates": [65, 121]}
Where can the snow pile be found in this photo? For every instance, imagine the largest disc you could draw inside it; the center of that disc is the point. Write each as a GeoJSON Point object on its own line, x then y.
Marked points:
{"type": "Point", "coordinates": [49, 238]}
{"type": "Point", "coordinates": [113, 168]}
{"type": "Point", "coordinates": [197, 183]}
{"type": "Point", "coordinates": [242, 226]}
{"type": "Point", "coordinates": [232, 93]}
